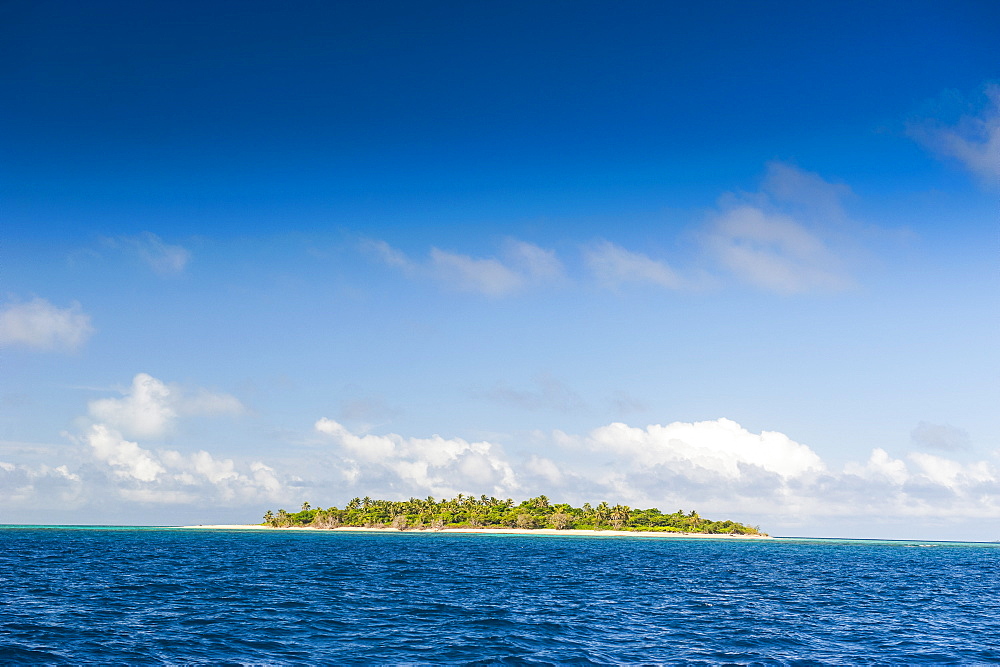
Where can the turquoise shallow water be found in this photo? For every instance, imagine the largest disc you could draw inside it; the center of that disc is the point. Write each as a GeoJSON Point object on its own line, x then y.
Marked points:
{"type": "Point", "coordinates": [141, 595]}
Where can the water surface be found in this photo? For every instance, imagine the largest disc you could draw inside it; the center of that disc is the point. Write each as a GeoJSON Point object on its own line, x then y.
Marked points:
{"type": "Point", "coordinates": [141, 595]}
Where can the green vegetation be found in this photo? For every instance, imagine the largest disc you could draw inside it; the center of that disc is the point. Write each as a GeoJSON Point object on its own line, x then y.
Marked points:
{"type": "Point", "coordinates": [483, 512]}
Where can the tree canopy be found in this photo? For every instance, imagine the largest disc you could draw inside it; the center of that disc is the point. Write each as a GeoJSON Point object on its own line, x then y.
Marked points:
{"type": "Point", "coordinates": [487, 512]}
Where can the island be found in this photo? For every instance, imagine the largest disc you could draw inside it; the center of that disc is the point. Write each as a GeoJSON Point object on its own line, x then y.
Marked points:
{"type": "Point", "coordinates": [471, 513]}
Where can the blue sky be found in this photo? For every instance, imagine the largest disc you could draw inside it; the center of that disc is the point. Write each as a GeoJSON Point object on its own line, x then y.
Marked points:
{"type": "Point", "coordinates": [737, 258]}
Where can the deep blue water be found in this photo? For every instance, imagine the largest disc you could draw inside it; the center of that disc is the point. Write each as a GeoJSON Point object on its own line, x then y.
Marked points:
{"type": "Point", "coordinates": [127, 595]}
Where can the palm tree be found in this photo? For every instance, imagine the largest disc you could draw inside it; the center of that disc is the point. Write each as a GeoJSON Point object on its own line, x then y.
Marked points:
{"type": "Point", "coordinates": [601, 514]}
{"type": "Point", "coordinates": [620, 515]}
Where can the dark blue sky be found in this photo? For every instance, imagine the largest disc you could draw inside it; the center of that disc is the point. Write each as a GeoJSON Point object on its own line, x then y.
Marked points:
{"type": "Point", "coordinates": [363, 112]}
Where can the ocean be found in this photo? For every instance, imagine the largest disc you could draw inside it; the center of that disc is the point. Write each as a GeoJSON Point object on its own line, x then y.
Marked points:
{"type": "Point", "coordinates": [162, 595]}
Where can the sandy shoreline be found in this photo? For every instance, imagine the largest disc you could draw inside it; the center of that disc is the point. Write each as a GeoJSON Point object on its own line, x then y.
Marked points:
{"type": "Point", "coordinates": [549, 532]}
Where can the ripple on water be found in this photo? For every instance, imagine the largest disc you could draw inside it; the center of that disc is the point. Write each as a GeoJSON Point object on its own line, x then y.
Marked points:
{"type": "Point", "coordinates": [252, 597]}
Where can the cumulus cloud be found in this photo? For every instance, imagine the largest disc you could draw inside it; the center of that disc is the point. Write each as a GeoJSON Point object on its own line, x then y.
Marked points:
{"type": "Point", "coordinates": [520, 266]}
{"type": "Point", "coordinates": [717, 466]}
{"type": "Point", "coordinates": [974, 141]}
{"type": "Point", "coordinates": [722, 448]}
{"type": "Point", "coordinates": [773, 239]}
{"type": "Point", "coordinates": [437, 466]}
{"type": "Point", "coordinates": [163, 258]}
{"type": "Point", "coordinates": [39, 486]}
{"type": "Point", "coordinates": [40, 325]}
{"type": "Point", "coordinates": [170, 476]}
{"type": "Point", "coordinates": [614, 266]}
{"type": "Point", "coordinates": [128, 458]}
{"type": "Point", "coordinates": [149, 407]}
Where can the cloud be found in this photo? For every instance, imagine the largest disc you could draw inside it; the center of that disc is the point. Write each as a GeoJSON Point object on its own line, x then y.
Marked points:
{"type": "Point", "coordinates": [773, 252]}
{"type": "Point", "coordinates": [520, 266]}
{"type": "Point", "coordinates": [387, 254]}
{"type": "Point", "coordinates": [718, 467]}
{"type": "Point", "coordinates": [536, 264]}
{"type": "Point", "coordinates": [974, 141]}
{"type": "Point", "coordinates": [772, 239]}
{"type": "Point", "coordinates": [39, 486]}
{"type": "Point", "coordinates": [721, 448]}
{"type": "Point", "coordinates": [614, 266]}
{"type": "Point", "coordinates": [438, 466]}
{"type": "Point", "coordinates": [149, 407]}
{"type": "Point", "coordinates": [163, 258]}
{"type": "Point", "coordinates": [925, 485]}
{"type": "Point", "coordinates": [777, 239]}
{"type": "Point", "coordinates": [941, 437]}
{"type": "Point", "coordinates": [624, 403]}
{"type": "Point", "coordinates": [469, 274]}
{"type": "Point", "coordinates": [169, 476]}
{"type": "Point", "coordinates": [40, 325]}
{"type": "Point", "coordinates": [368, 410]}
{"type": "Point", "coordinates": [810, 193]}
{"type": "Point", "coordinates": [550, 395]}
{"type": "Point", "coordinates": [126, 457]}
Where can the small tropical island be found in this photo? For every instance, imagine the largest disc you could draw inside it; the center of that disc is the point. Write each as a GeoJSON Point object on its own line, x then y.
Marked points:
{"type": "Point", "coordinates": [467, 513]}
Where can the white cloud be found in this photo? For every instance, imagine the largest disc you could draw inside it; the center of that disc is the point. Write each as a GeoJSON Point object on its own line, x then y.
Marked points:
{"type": "Point", "coordinates": [880, 466]}
{"type": "Point", "coordinates": [974, 140]}
{"type": "Point", "coordinates": [149, 407]}
{"type": "Point", "coordinates": [469, 274]}
{"type": "Point", "coordinates": [614, 266]}
{"type": "Point", "coordinates": [163, 258]}
{"type": "Point", "coordinates": [537, 264]}
{"type": "Point", "coordinates": [388, 254]}
{"type": "Point", "coordinates": [717, 467]}
{"type": "Point", "coordinates": [722, 448]}
{"type": "Point", "coordinates": [39, 324]}
{"type": "Point", "coordinates": [810, 192]}
{"type": "Point", "coordinates": [546, 468]}
{"type": "Point", "coordinates": [522, 265]}
{"type": "Point", "coordinates": [724, 468]}
{"type": "Point", "coordinates": [170, 477]}
{"type": "Point", "coordinates": [773, 252]}
{"type": "Point", "coordinates": [419, 466]}
{"type": "Point", "coordinates": [39, 486]}
{"type": "Point", "coordinates": [772, 239]}
{"type": "Point", "coordinates": [131, 471]}
{"type": "Point", "coordinates": [127, 458]}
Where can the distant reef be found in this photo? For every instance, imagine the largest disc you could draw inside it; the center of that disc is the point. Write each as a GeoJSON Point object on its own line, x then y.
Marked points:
{"type": "Point", "coordinates": [487, 512]}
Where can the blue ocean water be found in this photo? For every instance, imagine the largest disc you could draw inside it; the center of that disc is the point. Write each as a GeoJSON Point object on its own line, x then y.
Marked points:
{"type": "Point", "coordinates": [141, 595]}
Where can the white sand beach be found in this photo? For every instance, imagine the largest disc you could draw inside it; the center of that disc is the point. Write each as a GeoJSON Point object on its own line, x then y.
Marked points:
{"type": "Point", "coordinates": [546, 532]}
